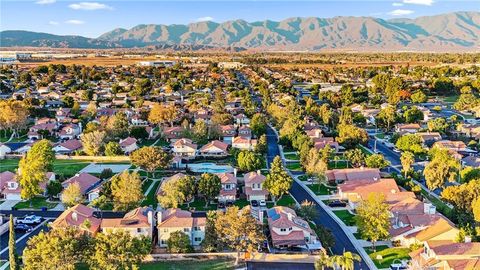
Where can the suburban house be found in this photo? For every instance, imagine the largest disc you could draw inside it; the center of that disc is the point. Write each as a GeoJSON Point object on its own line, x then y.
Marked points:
{"type": "Point", "coordinates": [456, 146]}
{"type": "Point", "coordinates": [243, 143]}
{"type": "Point", "coordinates": [70, 132]}
{"type": "Point", "coordinates": [174, 219]}
{"type": "Point", "coordinates": [471, 161]}
{"type": "Point", "coordinates": [351, 174]}
{"type": "Point", "coordinates": [228, 132]}
{"type": "Point", "coordinates": [228, 193]}
{"type": "Point", "coordinates": [241, 119]}
{"type": "Point", "coordinates": [68, 147]}
{"type": "Point", "coordinates": [80, 217]}
{"type": "Point", "coordinates": [429, 138]}
{"type": "Point", "coordinates": [139, 221]}
{"type": "Point", "coordinates": [289, 230]}
{"type": "Point", "coordinates": [407, 128]}
{"type": "Point", "coordinates": [184, 148]}
{"type": "Point", "coordinates": [320, 143]}
{"type": "Point", "coordinates": [10, 189]}
{"type": "Point", "coordinates": [171, 134]}
{"type": "Point", "coordinates": [214, 148]}
{"type": "Point", "coordinates": [128, 145]}
{"type": "Point", "coordinates": [245, 132]}
{"type": "Point", "coordinates": [254, 186]}
{"type": "Point", "coordinates": [446, 255]}
{"type": "Point", "coordinates": [34, 132]}
{"type": "Point", "coordinates": [174, 177]}
{"type": "Point", "coordinates": [86, 182]}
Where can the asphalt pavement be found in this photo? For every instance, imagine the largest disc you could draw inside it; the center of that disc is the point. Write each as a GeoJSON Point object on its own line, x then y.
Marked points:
{"type": "Point", "coordinates": [342, 242]}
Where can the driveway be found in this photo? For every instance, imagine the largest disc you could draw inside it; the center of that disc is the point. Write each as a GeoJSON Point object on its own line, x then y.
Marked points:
{"type": "Point", "coordinates": [8, 204]}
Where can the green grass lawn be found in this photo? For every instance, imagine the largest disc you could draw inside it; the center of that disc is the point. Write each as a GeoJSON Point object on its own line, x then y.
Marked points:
{"type": "Point", "coordinates": [366, 151]}
{"type": "Point", "coordinates": [213, 264]}
{"type": "Point", "coordinates": [37, 203]}
{"type": "Point", "coordinates": [388, 255]}
{"type": "Point", "coordinates": [241, 203]}
{"type": "Point", "coordinates": [151, 198]}
{"type": "Point", "coordinates": [199, 205]}
{"type": "Point", "coordinates": [341, 164]}
{"type": "Point", "coordinates": [346, 217]}
{"type": "Point", "coordinates": [286, 200]}
{"type": "Point", "coordinates": [292, 156]}
{"type": "Point", "coordinates": [449, 99]}
{"type": "Point", "coordinates": [294, 166]}
{"type": "Point", "coordinates": [321, 189]}
{"type": "Point", "coordinates": [146, 184]}
{"type": "Point", "coordinates": [357, 235]}
{"type": "Point", "coordinates": [8, 165]}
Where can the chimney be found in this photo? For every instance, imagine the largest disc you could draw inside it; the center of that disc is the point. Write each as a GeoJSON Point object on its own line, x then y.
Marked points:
{"type": "Point", "coordinates": [468, 239]}
{"type": "Point", "coordinates": [150, 217]}
{"type": "Point", "coordinates": [235, 172]}
{"type": "Point", "coordinates": [259, 172]}
{"type": "Point", "coordinates": [429, 209]}
{"type": "Point", "coordinates": [290, 216]}
{"type": "Point", "coordinates": [75, 216]}
{"type": "Point", "coordinates": [159, 216]}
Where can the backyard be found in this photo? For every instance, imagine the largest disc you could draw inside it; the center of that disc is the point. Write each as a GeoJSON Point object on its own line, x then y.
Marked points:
{"type": "Point", "coordinates": [321, 189]}
{"type": "Point", "coordinates": [65, 167]}
{"type": "Point", "coordinates": [36, 203]}
{"type": "Point", "coordinates": [389, 255]}
{"type": "Point", "coordinates": [199, 205]}
{"type": "Point", "coordinates": [151, 198]}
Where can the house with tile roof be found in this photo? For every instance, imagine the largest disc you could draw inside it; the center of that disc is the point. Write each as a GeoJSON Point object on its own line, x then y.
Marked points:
{"type": "Point", "coordinates": [288, 230]}
{"type": "Point", "coordinates": [214, 148]}
{"type": "Point", "coordinates": [228, 132]}
{"type": "Point", "coordinates": [138, 222]}
{"type": "Point", "coordinates": [80, 217]}
{"type": "Point", "coordinates": [228, 192]}
{"type": "Point", "coordinates": [174, 219]}
{"type": "Point", "coordinates": [68, 147]}
{"type": "Point", "coordinates": [407, 128]}
{"type": "Point", "coordinates": [244, 143]}
{"type": "Point", "coordinates": [184, 148]}
{"type": "Point", "coordinates": [172, 134]}
{"type": "Point", "coordinates": [10, 188]}
{"type": "Point", "coordinates": [86, 181]}
{"type": "Point", "coordinates": [446, 255]}
{"type": "Point", "coordinates": [352, 174]}
{"type": "Point", "coordinates": [128, 145]}
{"type": "Point", "coordinates": [254, 186]}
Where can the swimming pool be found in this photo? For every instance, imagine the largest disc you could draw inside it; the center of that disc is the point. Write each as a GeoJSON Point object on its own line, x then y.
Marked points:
{"type": "Point", "coordinates": [210, 168]}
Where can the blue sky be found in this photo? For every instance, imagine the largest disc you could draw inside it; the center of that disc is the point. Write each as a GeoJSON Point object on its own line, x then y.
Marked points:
{"type": "Point", "coordinates": [92, 18]}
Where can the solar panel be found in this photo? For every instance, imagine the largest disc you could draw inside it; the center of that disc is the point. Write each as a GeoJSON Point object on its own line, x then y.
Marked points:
{"type": "Point", "coordinates": [271, 213]}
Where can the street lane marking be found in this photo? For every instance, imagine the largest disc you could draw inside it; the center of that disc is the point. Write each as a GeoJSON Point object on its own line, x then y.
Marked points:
{"type": "Point", "coordinates": [27, 234]}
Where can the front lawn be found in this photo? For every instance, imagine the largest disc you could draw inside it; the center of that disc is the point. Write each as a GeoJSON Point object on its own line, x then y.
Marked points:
{"type": "Point", "coordinates": [321, 189]}
{"type": "Point", "coordinates": [286, 200]}
{"type": "Point", "coordinates": [8, 165]}
{"type": "Point", "coordinates": [36, 203]}
{"type": "Point", "coordinates": [151, 198]}
{"type": "Point", "coordinates": [346, 217]}
{"type": "Point", "coordinates": [292, 156]}
{"type": "Point", "coordinates": [199, 205]}
{"type": "Point", "coordinates": [341, 164]}
{"type": "Point", "coordinates": [212, 264]}
{"type": "Point", "coordinates": [294, 166]}
{"type": "Point", "coordinates": [241, 203]}
{"type": "Point", "coordinates": [388, 255]}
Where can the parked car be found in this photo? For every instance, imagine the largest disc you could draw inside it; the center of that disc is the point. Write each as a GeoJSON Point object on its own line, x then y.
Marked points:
{"type": "Point", "coordinates": [254, 203]}
{"type": "Point", "coordinates": [396, 150]}
{"type": "Point", "coordinates": [229, 204]}
{"type": "Point", "coordinates": [30, 220]}
{"type": "Point", "coordinates": [337, 204]}
{"type": "Point", "coordinates": [221, 205]}
{"type": "Point", "coordinates": [23, 228]}
{"type": "Point", "coordinates": [263, 203]}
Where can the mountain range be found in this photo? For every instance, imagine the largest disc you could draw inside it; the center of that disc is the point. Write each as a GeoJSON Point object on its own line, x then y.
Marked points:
{"type": "Point", "coordinates": [457, 31]}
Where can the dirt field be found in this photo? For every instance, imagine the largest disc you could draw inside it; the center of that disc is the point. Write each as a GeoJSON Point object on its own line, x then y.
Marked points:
{"type": "Point", "coordinates": [90, 61]}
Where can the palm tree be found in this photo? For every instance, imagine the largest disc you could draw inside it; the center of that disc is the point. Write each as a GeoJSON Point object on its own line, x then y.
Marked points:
{"type": "Point", "coordinates": [323, 261]}
{"type": "Point", "coordinates": [347, 260]}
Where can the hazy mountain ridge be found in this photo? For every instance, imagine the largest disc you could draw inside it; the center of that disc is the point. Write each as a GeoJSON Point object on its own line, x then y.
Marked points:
{"type": "Point", "coordinates": [451, 31]}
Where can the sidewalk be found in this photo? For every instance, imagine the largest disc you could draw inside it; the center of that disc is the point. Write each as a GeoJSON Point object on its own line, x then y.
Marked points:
{"type": "Point", "coordinates": [8, 204]}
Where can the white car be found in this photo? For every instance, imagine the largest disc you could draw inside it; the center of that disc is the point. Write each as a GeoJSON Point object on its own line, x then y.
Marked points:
{"type": "Point", "coordinates": [30, 220]}
{"type": "Point", "coordinates": [262, 203]}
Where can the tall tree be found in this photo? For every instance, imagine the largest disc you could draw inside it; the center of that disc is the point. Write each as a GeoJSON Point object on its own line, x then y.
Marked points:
{"type": "Point", "coordinates": [119, 250]}
{"type": "Point", "coordinates": [72, 195]}
{"type": "Point", "coordinates": [126, 191]}
{"type": "Point", "coordinates": [210, 243]}
{"type": "Point", "coordinates": [258, 124]}
{"type": "Point", "coordinates": [161, 114]}
{"type": "Point", "coordinates": [209, 186]}
{"type": "Point", "coordinates": [278, 180]}
{"type": "Point", "coordinates": [249, 161]}
{"type": "Point", "coordinates": [179, 242]}
{"type": "Point", "coordinates": [407, 159]}
{"type": "Point", "coordinates": [93, 142]}
{"type": "Point", "coordinates": [12, 251]}
{"type": "Point", "coordinates": [442, 168]}
{"type": "Point", "coordinates": [376, 161]}
{"type": "Point", "coordinates": [150, 158]}
{"type": "Point", "coordinates": [238, 230]}
{"type": "Point", "coordinates": [373, 218]}
{"type": "Point", "coordinates": [347, 260]}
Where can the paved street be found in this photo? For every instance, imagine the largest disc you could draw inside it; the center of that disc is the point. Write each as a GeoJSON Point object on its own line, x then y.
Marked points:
{"type": "Point", "coordinates": [21, 239]}
{"type": "Point", "coordinates": [342, 242]}
{"type": "Point", "coordinates": [279, 266]}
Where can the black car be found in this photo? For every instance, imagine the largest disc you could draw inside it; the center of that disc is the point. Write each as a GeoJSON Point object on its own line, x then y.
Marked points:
{"type": "Point", "coordinates": [254, 203]}
{"type": "Point", "coordinates": [23, 228]}
{"type": "Point", "coordinates": [221, 205]}
{"type": "Point", "coordinates": [337, 204]}
{"type": "Point", "coordinates": [229, 204]}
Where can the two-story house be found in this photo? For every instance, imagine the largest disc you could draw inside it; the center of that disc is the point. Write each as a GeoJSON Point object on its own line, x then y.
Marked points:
{"type": "Point", "coordinates": [214, 148]}
{"type": "Point", "coordinates": [228, 192]}
{"type": "Point", "coordinates": [174, 219]}
{"type": "Point", "coordinates": [138, 222]}
{"type": "Point", "coordinates": [243, 143]}
{"type": "Point", "coordinates": [446, 255]}
{"type": "Point", "coordinates": [228, 132]}
{"type": "Point", "coordinates": [184, 148]}
{"type": "Point", "coordinates": [128, 145]}
{"type": "Point", "coordinates": [254, 186]}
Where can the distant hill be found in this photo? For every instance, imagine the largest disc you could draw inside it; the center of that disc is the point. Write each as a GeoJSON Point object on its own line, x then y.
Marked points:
{"type": "Point", "coordinates": [456, 31]}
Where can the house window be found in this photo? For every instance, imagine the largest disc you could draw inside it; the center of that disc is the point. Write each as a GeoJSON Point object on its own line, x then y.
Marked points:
{"type": "Point", "coordinates": [283, 230]}
{"type": "Point", "coordinates": [139, 230]}
{"type": "Point", "coordinates": [198, 239]}
{"type": "Point", "coordinates": [196, 228]}
{"type": "Point", "coordinates": [186, 229]}
{"type": "Point", "coordinates": [165, 230]}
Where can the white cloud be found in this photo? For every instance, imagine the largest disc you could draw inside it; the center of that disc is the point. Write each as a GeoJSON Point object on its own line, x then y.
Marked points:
{"type": "Point", "coordinates": [397, 4]}
{"type": "Point", "coordinates": [77, 22]}
{"type": "Point", "coordinates": [45, 2]}
{"type": "Point", "coordinates": [419, 2]}
{"type": "Point", "coordinates": [203, 19]}
{"type": "Point", "coordinates": [89, 6]}
{"type": "Point", "coordinates": [401, 12]}
{"type": "Point", "coordinates": [53, 23]}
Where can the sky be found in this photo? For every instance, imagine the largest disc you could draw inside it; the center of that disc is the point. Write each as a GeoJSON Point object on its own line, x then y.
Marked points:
{"type": "Point", "coordinates": [93, 18]}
